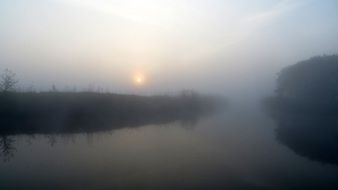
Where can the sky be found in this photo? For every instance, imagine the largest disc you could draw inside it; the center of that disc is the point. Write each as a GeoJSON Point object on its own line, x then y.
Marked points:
{"type": "Point", "coordinates": [162, 46]}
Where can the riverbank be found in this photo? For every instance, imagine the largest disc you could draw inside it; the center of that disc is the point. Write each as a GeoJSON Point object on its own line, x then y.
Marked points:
{"type": "Point", "coordinates": [57, 112]}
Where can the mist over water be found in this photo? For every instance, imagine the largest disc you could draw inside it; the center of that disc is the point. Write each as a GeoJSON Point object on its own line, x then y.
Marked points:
{"type": "Point", "coordinates": [168, 94]}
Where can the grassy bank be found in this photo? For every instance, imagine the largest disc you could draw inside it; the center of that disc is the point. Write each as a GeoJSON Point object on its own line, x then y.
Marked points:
{"type": "Point", "coordinates": [58, 112]}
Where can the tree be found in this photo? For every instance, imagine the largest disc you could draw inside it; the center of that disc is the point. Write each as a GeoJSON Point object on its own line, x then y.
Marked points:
{"type": "Point", "coordinates": [8, 81]}
{"type": "Point", "coordinates": [315, 79]}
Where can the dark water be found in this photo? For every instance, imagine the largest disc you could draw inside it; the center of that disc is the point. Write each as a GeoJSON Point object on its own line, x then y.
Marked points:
{"type": "Point", "coordinates": [242, 148]}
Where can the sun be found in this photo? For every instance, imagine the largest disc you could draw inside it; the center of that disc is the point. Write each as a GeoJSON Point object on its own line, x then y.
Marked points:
{"type": "Point", "coordinates": [139, 79]}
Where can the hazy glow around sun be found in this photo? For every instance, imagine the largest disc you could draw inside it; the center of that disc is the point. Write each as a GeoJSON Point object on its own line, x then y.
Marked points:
{"type": "Point", "coordinates": [139, 79]}
{"type": "Point", "coordinates": [160, 45]}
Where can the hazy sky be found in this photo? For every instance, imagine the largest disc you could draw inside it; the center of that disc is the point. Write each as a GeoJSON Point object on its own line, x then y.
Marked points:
{"type": "Point", "coordinates": [209, 45]}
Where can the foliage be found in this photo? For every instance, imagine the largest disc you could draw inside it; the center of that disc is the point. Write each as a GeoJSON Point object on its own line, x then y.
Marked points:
{"type": "Point", "coordinates": [315, 79]}
{"type": "Point", "coordinates": [306, 106]}
{"type": "Point", "coordinates": [8, 81]}
{"type": "Point", "coordinates": [58, 112]}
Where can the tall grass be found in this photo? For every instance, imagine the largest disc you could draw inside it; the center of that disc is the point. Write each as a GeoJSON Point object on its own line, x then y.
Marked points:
{"type": "Point", "coordinates": [57, 112]}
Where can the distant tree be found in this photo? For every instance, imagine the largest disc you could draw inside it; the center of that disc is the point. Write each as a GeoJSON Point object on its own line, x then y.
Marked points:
{"type": "Point", "coordinates": [315, 79]}
{"type": "Point", "coordinates": [6, 147]}
{"type": "Point", "coordinates": [189, 93]}
{"type": "Point", "coordinates": [54, 89]}
{"type": "Point", "coordinates": [7, 81]}
{"type": "Point", "coordinates": [306, 108]}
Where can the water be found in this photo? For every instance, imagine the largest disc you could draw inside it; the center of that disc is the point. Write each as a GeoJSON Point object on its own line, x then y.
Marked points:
{"type": "Point", "coordinates": [237, 149]}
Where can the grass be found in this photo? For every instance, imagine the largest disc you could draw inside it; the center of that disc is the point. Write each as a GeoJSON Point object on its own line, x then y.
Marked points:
{"type": "Point", "coordinates": [59, 112]}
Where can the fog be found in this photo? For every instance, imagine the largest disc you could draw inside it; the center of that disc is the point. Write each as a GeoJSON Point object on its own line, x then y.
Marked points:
{"type": "Point", "coordinates": [234, 48]}
{"type": "Point", "coordinates": [168, 94]}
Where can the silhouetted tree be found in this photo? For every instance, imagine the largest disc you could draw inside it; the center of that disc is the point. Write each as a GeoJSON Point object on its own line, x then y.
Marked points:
{"type": "Point", "coordinates": [306, 107]}
{"type": "Point", "coordinates": [8, 81]}
{"type": "Point", "coordinates": [54, 89]}
{"type": "Point", "coordinates": [7, 148]}
{"type": "Point", "coordinates": [315, 79]}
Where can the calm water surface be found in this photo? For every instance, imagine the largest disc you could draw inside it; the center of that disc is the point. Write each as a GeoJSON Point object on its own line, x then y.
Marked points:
{"type": "Point", "coordinates": [237, 149]}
